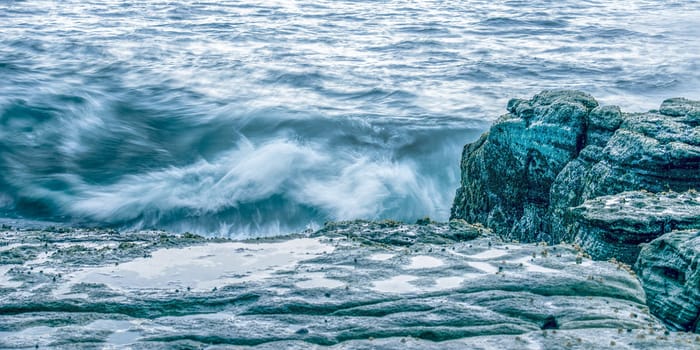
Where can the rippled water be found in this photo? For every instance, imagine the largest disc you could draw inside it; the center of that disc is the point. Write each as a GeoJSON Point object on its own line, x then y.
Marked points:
{"type": "Point", "coordinates": [258, 117]}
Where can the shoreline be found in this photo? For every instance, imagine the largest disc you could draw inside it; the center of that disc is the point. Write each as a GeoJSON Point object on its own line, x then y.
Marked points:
{"type": "Point", "coordinates": [391, 283]}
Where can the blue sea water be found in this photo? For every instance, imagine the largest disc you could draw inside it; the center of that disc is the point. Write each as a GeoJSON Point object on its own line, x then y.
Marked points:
{"type": "Point", "coordinates": [247, 118]}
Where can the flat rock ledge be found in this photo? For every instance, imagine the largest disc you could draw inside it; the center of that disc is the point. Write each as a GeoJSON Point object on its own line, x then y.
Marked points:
{"type": "Point", "coordinates": [617, 225]}
{"type": "Point", "coordinates": [350, 285]}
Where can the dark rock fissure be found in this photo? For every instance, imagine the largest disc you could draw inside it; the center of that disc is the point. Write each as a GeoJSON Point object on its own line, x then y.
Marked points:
{"type": "Point", "coordinates": [550, 323]}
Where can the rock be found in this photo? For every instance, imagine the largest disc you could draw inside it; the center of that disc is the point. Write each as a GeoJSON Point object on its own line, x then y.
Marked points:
{"type": "Point", "coordinates": [602, 123]}
{"type": "Point", "coordinates": [550, 323]}
{"type": "Point", "coordinates": [349, 285]}
{"type": "Point", "coordinates": [424, 221]}
{"type": "Point", "coordinates": [649, 151]}
{"type": "Point", "coordinates": [507, 174]}
{"type": "Point", "coordinates": [681, 107]}
{"type": "Point", "coordinates": [558, 167]}
{"type": "Point", "coordinates": [616, 225]}
{"type": "Point", "coordinates": [462, 231]}
{"type": "Point", "coordinates": [669, 270]}
{"type": "Point", "coordinates": [559, 149]}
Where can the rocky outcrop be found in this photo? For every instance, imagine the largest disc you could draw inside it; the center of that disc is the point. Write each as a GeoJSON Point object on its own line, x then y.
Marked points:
{"type": "Point", "coordinates": [670, 272]}
{"type": "Point", "coordinates": [507, 175]}
{"type": "Point", "coordinates": [559, 149]}
{"type": "Point", "coordinates": [559, 167]}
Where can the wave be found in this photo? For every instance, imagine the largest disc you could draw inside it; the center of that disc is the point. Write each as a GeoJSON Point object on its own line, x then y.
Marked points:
{"type": "Point", "coordinates": [253, 118]}
{"type": "Point", "coordinates": [251, 174]}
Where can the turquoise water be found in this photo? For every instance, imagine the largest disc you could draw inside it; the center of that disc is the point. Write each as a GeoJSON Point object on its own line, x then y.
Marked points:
{"type": "Point", "coordinates": [259, 117]}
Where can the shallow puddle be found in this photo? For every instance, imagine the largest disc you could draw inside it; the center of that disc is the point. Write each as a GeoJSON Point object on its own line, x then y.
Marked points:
{"type": "Point", "coordinates": [202, 267]}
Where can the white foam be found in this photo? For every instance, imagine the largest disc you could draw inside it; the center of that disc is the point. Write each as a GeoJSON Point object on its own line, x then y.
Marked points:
{"type": "Point", "coordinates": [254, 172]}
{"type": "Point", "coordinates": [245, 174]}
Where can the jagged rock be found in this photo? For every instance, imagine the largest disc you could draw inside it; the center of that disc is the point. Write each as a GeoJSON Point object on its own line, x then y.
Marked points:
{"type": "Point", "coordinates": [616, 225]}
{"type": "Point", "coordinates": [507, 174]}
{"type": "Point", "coordinates": [462, 231]}
{"type": "Point", "coordinates": [670, 272]}
{"type": "Point", "coordinates": [559, 167]}
{"type": "Point", "coordinates": [349, 285]}
{"type": "Point", "coordinates": [559, 149]}
{"type": "Point", "coordinates": [649, 151]}
{"type": "Point", "coordinates": [681, 107]}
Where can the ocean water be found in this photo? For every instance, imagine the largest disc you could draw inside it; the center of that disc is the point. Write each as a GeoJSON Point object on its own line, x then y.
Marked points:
{"type": "Point", "coordinates": [243, 118]}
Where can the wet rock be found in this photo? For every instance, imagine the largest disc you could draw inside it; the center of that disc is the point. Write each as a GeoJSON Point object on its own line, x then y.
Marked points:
{"type": "Point", "coordinates": [424, 221]}
{"type": "Point", "coordinates": [349, 285]}
{"type": "Point", "coordinates": [558, 167]}
{"type": "Point", "coordinates": [559, 149]}
{"type": "Point", "coordinates": [462, 231]}
{"type": "Point", "coordinates": [669, 268]}
{"type": "Point", "coordinates": [550, 323]}
{"type": "Point", "coordinates": [602, 123]}
{"type": "Point", "coordinates": [683, 108]}
{"type": "Point", "coordinates": [18, 254]}
{"type": "Point", "coordinates": [615, 226]}
{"type": "Point", "coordinates": [507, 174]}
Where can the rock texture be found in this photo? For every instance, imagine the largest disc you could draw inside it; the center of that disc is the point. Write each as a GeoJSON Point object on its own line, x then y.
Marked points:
{"type": "Point", "coordinates": [669, 269]}
{"type": "Point", "coordinates": [559, 167]}
{"type": "Point", "coordinates": [559, 149]}
{"type": "Point", "coordinates": [350, 285]}
{"type": "Point", "coordinates": [616, 225]}
{"type": "Point", "coordinates": [507, 175]}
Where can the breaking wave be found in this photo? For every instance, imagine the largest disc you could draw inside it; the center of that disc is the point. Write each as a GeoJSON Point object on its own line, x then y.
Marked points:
{"type": "Point", "coordinates": [248, 118]}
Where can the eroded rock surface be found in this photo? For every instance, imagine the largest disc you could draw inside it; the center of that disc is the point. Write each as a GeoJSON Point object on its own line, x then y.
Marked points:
{"type": "Point", "coordinates": [616, 225]}
{"type": "Point", "coordinates": [508, 173]}
{"type": "Point", "coordinates": [559, 149]}
{"type": "Point", "coordinates": [669, 267]}
{"type": "Point", "coordinates": [349, 285]}
{"type": "Point", "coordinates": [559, 167]}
